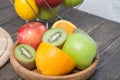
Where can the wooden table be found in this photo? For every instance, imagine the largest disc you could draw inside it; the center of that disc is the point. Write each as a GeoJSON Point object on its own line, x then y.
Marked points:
{"type": "Point", "coordinates": [106, 33]}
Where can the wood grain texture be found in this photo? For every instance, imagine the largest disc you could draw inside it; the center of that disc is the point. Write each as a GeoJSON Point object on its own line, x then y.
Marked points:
{"type": "Point", "coordinates": [109, 66]}
{"type": "Point", "coordinates": [7, 14]}
{"type": "Point", "coordinates": [4, 4]}
{"type": "Point", "coordinates": [106, 33]}
{"type": "Point", "coordinates": [89, 22]}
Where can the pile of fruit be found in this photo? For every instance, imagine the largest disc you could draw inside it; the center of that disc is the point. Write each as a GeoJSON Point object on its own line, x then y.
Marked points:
{"type": "Point", "coordinates": [54, 51]}
{"type": "Point", "coordinates": [41, 9]}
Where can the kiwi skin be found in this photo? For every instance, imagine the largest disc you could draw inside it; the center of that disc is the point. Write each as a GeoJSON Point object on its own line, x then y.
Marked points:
{"type": "Point", "coordinates": [28, 61]}
{"type": "Point", "coordinates": [55, 36]}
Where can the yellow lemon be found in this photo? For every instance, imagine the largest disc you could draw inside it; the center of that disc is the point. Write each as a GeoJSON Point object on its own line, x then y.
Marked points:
{"type": "Point", "coordinates": [26, 9]}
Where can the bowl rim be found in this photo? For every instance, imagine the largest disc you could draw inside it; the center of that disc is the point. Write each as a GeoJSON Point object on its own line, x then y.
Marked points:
{"type": "Point", "coordinates": [20, 69]}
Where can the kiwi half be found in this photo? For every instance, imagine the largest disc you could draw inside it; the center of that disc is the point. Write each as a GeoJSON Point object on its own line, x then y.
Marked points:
{"type": "Point", "coordinates": [25, 55]}
{"type": "Point", "coordinates": [55, 36]}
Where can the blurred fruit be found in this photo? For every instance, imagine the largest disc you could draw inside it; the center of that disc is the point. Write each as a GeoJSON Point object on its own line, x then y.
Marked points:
{"type": "Point", "coordinates": [64, 24]}
{"type": "Point", "coordinates": [55, 36]}
{"type": "Point", "coordinates": [71, 3]}
{"type": "Point", "coordinates": [25, 55]}
{"type": "Point", "coordinates": [26, 9]}
{"type": "Point", "coordinates": [31, 33]}
{"type": "Point", "coordinates": [81, 48]}
{"type": "Point", "coordinates": [48, 14]}
{"type": "Point", "coordinates": [50, 60]}
{"type": "Point", "coordinates": [45, 3]}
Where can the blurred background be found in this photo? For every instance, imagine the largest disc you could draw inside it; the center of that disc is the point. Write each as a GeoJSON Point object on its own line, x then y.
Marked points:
{"type": "Point", "coordinates": [109, 9]}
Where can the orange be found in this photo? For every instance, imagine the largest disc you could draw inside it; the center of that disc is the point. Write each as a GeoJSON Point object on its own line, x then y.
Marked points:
{"type": "Point", "coordinates": [50, 60]}
{"type": "Point", "coordinates": [24, 10]}
{"type": "Point", "coordinates": [64, 24]}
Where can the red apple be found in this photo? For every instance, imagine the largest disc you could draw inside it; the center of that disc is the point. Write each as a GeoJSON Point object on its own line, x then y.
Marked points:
{"type": "Point", "coordinates": [51, 3]}
{"type": "Point", "coordinates": [31, 33]}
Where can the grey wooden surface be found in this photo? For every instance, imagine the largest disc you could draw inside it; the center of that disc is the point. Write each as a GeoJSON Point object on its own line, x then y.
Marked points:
{"type": "Point", "coordinates": [106, 33]}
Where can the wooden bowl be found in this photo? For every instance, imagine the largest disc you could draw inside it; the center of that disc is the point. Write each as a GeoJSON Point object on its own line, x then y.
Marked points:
{"type": "Point", "coordinates": [35, 75]}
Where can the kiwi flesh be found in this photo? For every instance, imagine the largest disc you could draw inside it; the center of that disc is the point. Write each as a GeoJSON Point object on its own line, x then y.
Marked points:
{"type": "Point", "coordinates": [25, 55]}
{"type": "Point", "coordinates": [55, 36]}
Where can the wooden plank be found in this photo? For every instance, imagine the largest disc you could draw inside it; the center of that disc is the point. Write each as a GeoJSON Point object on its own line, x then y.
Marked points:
{"type": "Point", "coordinates": [16, 78]}
{"type": "Point", "coordinates": [4, 4]}
{"type": "Point", "coordinates": [9, 21]}
{"type": "Point", "coordinates": [106, 34]}
{"type": "Point", "coordinates": [7, 14]}
{"type": "Point", "coordinates": [7, 72]}
{"type": "Point", "coordinates": [12, 26]}
{"type": "Point", "coordinates": [89, 22]}
{"type": "Point", "coordinates": [109, 66]}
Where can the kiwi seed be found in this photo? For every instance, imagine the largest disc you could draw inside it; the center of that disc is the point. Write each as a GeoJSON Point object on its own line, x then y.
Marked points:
{"type": "Point", "coordinates": [25, 55]}
{"type": "Point", "coordinates": [25, 52]}
{"type": "Point", "coordinates": [55, 36]}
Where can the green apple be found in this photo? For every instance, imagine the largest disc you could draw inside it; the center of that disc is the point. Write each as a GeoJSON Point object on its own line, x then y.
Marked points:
{"type": "Point", "coordinates": [71, 3]}
{"type": "Point", "coordinates": [81, 48]}
{"type": "Point", "coordinates": [48, 14]}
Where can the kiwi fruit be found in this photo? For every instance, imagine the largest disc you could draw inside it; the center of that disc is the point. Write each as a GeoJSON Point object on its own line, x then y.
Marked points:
{"type": "Point", "coordinates": [25, 55]}
{"type": "Point", "coordinates": [55, 36]}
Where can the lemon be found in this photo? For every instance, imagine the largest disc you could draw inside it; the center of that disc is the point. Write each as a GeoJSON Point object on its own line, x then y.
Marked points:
{"type": "Point", "coordinates": [26, 9]}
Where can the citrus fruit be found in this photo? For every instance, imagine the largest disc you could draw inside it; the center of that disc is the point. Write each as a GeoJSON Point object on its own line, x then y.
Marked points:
{"type": "Point", "coordinates": [26, 9]}
{"type": "Point", "coordinates": [50, 60]}
{"type": "Point", "coordinates": [64, 24]}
